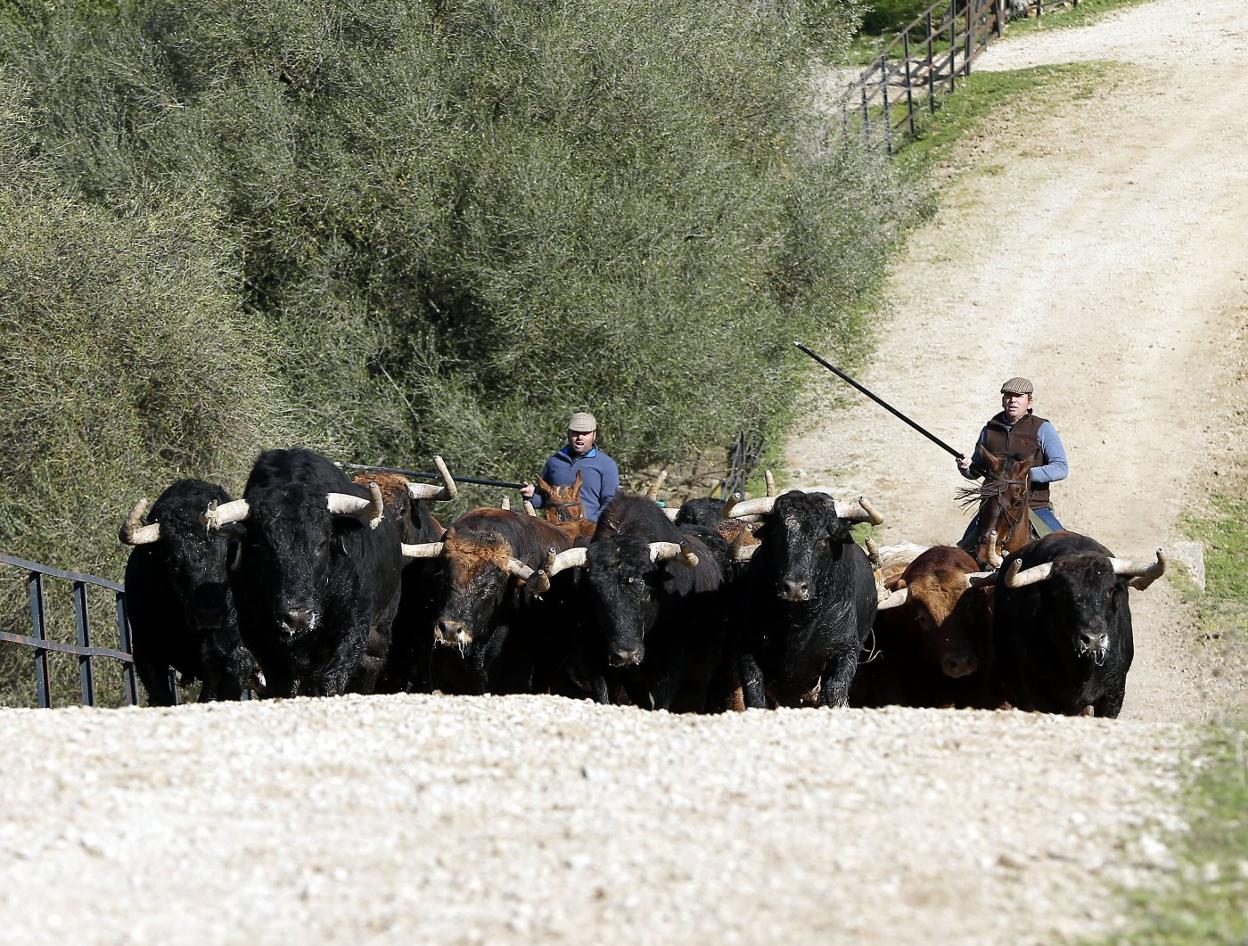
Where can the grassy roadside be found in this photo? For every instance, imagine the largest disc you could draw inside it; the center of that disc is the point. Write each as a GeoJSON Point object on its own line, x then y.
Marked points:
{"type": "Point", "coordinates": [995, 96]}
{"type": "Point", "coordinates": [890, 17]}
{"type": "Point", "coordinates": [1207, 905]}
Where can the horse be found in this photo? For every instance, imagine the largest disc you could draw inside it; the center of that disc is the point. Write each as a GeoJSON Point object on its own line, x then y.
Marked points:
{"type": "Point", "coordinates": [1004, 525]}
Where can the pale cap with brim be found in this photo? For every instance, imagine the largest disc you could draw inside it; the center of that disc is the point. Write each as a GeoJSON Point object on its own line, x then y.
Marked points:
{"type": "Point", "coordinates": [582, 422]}
{"type": "Point", "coordinates": [1017, 386]}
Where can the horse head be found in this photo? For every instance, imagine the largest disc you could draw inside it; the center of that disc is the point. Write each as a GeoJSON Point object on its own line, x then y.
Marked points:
{"type": "Point", "coordinates": [562, 503]}
{"type": "Point", "coordinates": [1003, 504]}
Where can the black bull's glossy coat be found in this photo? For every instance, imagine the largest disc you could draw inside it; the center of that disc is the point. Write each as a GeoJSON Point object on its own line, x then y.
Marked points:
{"type": "Point", "coordinates": [317, 591]}
{"type": "Point", "coordinates": [809, 605]}
{"type": "Point", "coordinates": [179, 601]}
{"type": "Point", "coordinates": [660, 625]}
{"type": "Point", "coordinates": [1064, 644]}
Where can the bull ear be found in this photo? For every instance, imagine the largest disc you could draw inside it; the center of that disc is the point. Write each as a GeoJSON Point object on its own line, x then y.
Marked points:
{"type": "Point", "coordinates": [838, 528]}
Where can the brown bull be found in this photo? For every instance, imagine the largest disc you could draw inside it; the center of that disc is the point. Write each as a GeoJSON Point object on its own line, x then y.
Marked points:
{"type": "Point", "coordinates": [485, 637]}
{"type": "Point", "coordinates": [933, 636]}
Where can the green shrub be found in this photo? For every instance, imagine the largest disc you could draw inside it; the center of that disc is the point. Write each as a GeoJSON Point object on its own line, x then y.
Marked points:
{"type": "Point", "coordinates": [390, 229]}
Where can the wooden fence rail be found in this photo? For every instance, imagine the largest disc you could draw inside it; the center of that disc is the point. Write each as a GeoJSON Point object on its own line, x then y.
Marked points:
{"type": "Point", "coordinates": [922, 64]}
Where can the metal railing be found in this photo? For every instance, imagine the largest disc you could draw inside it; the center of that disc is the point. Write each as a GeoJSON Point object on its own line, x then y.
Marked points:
{"type": "Point", "coordinates": [83, 649]}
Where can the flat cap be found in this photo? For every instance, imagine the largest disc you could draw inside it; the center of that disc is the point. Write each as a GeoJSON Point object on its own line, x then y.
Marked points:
{"type": "Point", "coordinates": [1017, 386]}
{"type": "Point", "coordinates": [582, 422]}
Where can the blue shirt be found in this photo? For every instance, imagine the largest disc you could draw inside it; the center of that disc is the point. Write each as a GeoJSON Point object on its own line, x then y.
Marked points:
{"type": "Point", "coordinates": [600, 478]}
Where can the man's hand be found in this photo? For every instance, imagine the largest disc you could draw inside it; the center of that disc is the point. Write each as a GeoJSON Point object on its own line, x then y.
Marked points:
{"type": "Point", "coordinates": [527, 490]}
{"type": "Point", "coordinates": [964, 464]}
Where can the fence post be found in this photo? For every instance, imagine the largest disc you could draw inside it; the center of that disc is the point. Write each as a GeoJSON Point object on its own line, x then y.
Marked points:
{"type": "Point", "coordinates": [123, 638]}
{"type": "Point", "coordinates": [931, 68]}
{"type": "Point", "coordinates": [888, 118]}
{"type": "Point", "coordinates": [85, 673]}
{"type": "Point", "coordinates": [43, 688]}
{"type": "Point", "coordinates": [1000, 15]}
{"type": "Point", "coordinates": [953, 43]}
{"type": "Point", "coordinates": [970, 35]}
{"type": "Point", "coordinates": [866, 116]}
{"type": "Point", "coordinates": [905, 51]}
{"type": "Point", "coordinates": [1039, 9]}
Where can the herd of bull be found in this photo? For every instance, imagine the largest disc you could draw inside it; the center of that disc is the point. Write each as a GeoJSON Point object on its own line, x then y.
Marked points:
{"type": "Point", "coordinates": [317, 584]}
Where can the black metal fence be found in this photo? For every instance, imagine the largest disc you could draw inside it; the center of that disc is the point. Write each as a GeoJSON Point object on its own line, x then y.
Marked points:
{"type": "Point", "coordinates": [37, 641]}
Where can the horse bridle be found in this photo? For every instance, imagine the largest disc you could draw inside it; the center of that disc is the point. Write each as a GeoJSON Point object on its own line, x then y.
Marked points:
{"type": "Point", "coordinates": [561, 505]}
{"type": "Point", "coordinates": [1011, 521]}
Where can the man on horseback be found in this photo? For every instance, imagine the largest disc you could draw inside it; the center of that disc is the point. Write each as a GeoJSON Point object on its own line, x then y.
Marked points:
{"type": "Point", "coordinates": [600, 477]}
{"type": "Point", "coordinates": [1017, 432]}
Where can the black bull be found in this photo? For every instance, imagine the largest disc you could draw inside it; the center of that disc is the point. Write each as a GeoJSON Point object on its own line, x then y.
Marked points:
{"type": "Point", "coordinates": [180, 605]}
{"type": "Point", "coordinates": [1062, 625]}
{"type": "Point", "coordinates": [317, 589]}
{"type": "Point", "coordinates": [810, 604]}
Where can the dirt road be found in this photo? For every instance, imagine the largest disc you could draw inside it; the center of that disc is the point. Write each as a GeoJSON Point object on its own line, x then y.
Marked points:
{"type": "Point", "coordinates": [1103, 253]}
{"type": "Point", "coordinates": [1106, 260]}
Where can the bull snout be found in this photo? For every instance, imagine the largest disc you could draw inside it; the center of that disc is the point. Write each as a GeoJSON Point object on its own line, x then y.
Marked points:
{"type": "Point", "coordinates": [959, 665]}
{"type": "Point", "coordinates": [1094, 645]}
{"type": "Point", "coordinates": [295, 621]}
{"type": "Point", "coordinates": [795, 589]}
{"type": "Point", "coordinates": [452, 633]}
{"type": "Point", "coordinates": [626, 656]}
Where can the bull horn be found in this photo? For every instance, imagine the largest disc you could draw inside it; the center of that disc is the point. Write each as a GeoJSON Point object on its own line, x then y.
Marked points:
{"type": "Point", "coordinates": [519, 569]}
{"type": "Point", "coordinates": [873, 553]}
{"type": "Point", "coordinates": [133, 532]}
{"type": "Point", "coordinates": [444, 493]}
{"type": "Point", "coordinates": [421, 550]}
{"type": "Point", "coordinates": [653, 492]}
{"type": "Point", "coordinates": [343, 504]}
{"type": "Point", "coordinates": [743, 553]}
{"type": "Point", "coordinates": [528, 509]}
{"type": "Point", "coordinates": [1018, 577]}
{"type": "Point", "coordinates": [979, 579]}
{"type": "Point", "coordinates": [893, 599]}
{"type": "Point", "coordinates": [1142, 574]}
{"type": "Point", "coordinates": [770, 483]}
{"type": "Point", "coordinates": [554, 563]}
{"type": "Point", "coordinates": [506, 503]}
{"type": "Point", "coordinates": [666, 551]}
{"type": "Point", "coordinates": [218, 516]}
{"type": "Point", "coordinates": [739, 508]}
{"type": "Point", "coordinates": [671, 512]}
{"type": "Point", "coordinates": [539, 584]}
{"type": "Point", "coordinates": [994, 557]}
{"type": "Point", "coordinates": [861, 511]}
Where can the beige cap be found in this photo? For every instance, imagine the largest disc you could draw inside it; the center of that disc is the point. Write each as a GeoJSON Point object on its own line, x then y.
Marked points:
{"type": "Point", "coordinates": [1017, 386]}
{"type": "Point", "coordinates": [582, 422]}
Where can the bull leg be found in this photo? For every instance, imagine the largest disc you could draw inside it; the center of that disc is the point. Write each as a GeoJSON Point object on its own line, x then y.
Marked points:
{"type": "Point", "coordinates": [332, 678]}
{"type": "Point", "coordinates": [838, 674]}
{"type": "Point", "coordinates": [155, 682]}
{"type": "Point", "coordinates": [751, 682]}
{"type": "Point", "coordinates": [1110, 704]}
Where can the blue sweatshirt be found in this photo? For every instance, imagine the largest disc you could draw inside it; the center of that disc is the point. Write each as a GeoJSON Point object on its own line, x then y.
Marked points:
{"type": "Point", "coordinates": [600, 478]}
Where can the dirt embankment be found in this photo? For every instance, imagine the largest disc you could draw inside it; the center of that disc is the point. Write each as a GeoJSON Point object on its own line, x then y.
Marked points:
{"type": "Point", "coordinates": [1106, 260]}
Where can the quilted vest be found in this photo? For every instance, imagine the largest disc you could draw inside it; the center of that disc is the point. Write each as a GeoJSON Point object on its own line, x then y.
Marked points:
{"type": "Point", "coordinates": [1020, 440]}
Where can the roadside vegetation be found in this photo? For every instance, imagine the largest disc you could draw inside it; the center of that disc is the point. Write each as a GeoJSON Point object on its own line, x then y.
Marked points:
{"type": "Point", "coordinates": [1207, 902]}
{"type": "Point", "coordinates": [392, 229]}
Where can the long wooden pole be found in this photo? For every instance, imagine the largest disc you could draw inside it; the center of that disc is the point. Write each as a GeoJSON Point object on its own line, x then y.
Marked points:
{"type": "Point", "coordinates": [883, 403]}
